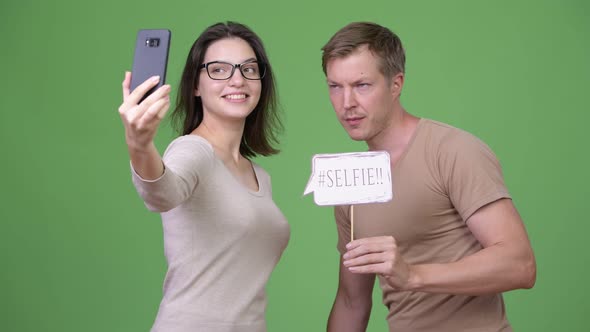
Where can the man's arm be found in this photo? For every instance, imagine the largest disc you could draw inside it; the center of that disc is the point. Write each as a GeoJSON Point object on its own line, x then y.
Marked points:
{"type": "Point", "coordinates": [506, 261]}
{"type": "Point", "coordinates": [352, 306]}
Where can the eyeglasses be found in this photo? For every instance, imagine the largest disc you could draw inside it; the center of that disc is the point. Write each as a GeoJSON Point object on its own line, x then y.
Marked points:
{"type": "Point", "coordinates": [219, 70]}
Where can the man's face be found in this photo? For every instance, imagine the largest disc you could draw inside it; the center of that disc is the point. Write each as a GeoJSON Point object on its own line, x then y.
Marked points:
{"type": "Point", "coordinates": [361, 96]}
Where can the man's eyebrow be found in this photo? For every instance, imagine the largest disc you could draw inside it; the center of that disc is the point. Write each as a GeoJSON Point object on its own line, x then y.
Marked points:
{"type": "Point", "coordinates": [361, 80]}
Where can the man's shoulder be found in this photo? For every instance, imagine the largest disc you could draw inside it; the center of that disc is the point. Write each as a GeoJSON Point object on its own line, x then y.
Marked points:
{"type": "Point", "coordinates": [448, 135]}
{"type": "Point", "coordinates": [442, 127]}
{"type": "Point", "coordinates": [449, 142]}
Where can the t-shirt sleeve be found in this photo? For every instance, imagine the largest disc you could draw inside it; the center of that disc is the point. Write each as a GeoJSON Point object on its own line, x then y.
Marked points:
{"type": "Point", "coordinates": [471, 172]}
{"type": "Point", "coordinates": [186, 160]}
{"type": "Point", "coordinates": [342, 217]}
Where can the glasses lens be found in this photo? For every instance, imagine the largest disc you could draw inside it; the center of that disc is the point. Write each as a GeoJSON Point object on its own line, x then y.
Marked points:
{"type": "Point", "coordinates": [252, 70]}
{"type": "Point", "coordinates": [219, 70]}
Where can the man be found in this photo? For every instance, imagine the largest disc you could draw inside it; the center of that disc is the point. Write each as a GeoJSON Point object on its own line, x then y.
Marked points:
{"type": "Point", "coordinates": [451, 241]}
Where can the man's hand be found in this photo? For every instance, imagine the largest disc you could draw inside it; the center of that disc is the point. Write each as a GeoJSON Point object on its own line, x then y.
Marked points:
{"type": "Point", "coordinates": [378, 255]}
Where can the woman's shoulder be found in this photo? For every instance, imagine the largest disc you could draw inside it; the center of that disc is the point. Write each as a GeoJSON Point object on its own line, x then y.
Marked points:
{"type": "Point", "coordinates": [260, 170]}
{"type": "Point", "coordinates": [191, 140]}
{"type": "Point", "coordinates": [190, 143]}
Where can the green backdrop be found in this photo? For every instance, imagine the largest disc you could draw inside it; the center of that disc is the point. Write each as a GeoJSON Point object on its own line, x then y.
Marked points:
{"type": "Point", "coordinates": [78, 250]}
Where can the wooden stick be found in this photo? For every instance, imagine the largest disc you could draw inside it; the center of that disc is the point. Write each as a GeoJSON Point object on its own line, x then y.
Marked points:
{"type": "Point", "coordinates": [351, 222]}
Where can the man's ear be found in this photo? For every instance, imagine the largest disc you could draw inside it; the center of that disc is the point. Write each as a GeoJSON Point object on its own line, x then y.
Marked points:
{"type": "Point", "coordinates": [397, 83]}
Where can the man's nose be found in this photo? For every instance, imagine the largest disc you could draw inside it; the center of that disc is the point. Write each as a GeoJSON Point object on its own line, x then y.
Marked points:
{"type": "Point", "coordinates": [349, 99]}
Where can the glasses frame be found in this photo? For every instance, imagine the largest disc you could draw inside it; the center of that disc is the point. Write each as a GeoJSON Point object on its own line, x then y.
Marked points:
{"type": "Point", "coordinates": [261, 68]}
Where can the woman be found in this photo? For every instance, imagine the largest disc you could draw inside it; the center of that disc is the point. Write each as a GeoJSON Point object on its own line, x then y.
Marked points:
{"type": "Point", "coordinates": [223, 234]}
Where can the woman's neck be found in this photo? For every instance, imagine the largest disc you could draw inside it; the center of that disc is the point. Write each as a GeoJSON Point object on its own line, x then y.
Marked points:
{"type": "Point", "coordinates": [225, 138]}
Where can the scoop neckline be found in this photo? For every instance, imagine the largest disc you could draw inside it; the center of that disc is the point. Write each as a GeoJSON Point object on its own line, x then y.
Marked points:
{"type": "Point", "coordinates": [254, 166]}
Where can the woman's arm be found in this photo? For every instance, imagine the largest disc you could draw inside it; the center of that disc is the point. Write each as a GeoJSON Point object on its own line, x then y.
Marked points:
{"type": "Point", "coordinates": [141, 121]}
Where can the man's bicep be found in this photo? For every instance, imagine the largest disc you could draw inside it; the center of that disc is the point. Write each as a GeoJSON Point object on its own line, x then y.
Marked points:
{"type": "Point", "coordinates": [496, 223]}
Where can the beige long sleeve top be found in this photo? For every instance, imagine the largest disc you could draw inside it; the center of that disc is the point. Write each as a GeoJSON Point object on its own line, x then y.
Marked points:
{"type": "Point", "coordinates": [221, 241]}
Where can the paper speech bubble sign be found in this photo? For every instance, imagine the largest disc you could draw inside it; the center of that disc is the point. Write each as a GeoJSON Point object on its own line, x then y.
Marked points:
{"type": "Point", "coordinates": [350, 178]}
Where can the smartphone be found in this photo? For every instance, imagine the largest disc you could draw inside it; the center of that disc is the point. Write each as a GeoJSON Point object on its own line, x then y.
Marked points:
{"type": "Point", "coordinates": [151, 57]}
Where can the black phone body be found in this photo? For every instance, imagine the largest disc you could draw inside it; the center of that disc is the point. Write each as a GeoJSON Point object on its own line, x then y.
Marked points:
{"type": "Point", "coordinates": [150, 58]}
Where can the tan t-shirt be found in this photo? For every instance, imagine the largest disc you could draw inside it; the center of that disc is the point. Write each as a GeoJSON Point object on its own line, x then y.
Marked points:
{"type": "Point", "coordinates": [221, 241]}
{"type": "Point", "coordinates": [444, 176]}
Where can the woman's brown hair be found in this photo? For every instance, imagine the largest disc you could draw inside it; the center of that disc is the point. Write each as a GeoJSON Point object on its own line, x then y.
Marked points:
{"type": "Point", "coordinates": [262, 125]}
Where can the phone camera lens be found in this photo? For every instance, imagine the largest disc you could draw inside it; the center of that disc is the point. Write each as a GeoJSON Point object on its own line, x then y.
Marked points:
{"type": "Point", "coordinates": [152, 42]}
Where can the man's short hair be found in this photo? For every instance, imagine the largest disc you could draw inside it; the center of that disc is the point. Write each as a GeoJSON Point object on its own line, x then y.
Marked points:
{"type": "Point", "coordinates": [381, 41]}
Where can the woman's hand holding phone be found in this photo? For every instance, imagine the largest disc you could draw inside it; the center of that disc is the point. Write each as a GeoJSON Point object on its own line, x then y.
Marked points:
{"type": "Point", "coordinates": [141, 121]}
